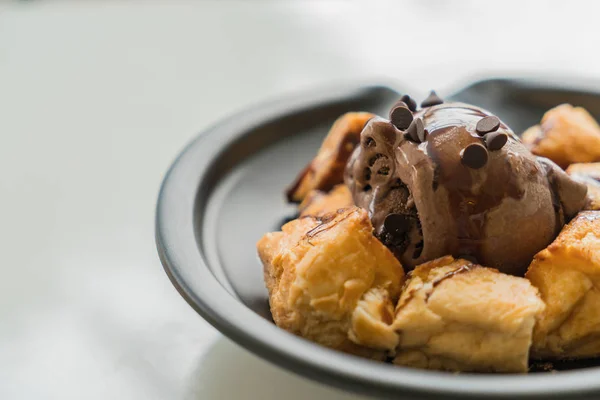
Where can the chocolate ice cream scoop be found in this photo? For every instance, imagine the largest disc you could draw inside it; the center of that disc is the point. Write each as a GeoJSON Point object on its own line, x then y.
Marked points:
{"type": "Point", "coordinates": [454, 179]}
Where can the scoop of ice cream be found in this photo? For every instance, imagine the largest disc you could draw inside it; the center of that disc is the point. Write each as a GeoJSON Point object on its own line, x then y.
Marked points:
{"type": "Point", "coordinates": [454, 179]}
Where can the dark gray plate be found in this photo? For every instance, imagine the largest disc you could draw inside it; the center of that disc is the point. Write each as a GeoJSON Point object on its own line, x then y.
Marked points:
{"type": "Point", "coordinates": [225, 190]}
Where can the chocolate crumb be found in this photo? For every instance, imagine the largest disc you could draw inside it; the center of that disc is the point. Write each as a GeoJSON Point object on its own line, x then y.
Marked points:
{"type": "Point", "coordinates": [384, 171]}
{"type": "Point", "coordinates": [396, 224]}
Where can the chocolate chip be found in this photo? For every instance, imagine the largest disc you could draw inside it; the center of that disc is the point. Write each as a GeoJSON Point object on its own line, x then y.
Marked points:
{"type": "Point", "coordinates": [495, 140]}
{"type": "Point", "coordinates": [401, 116]}
{"type": "Point", "coordinates": [412, 105]}
{"type": "Point", "coordinates": [396, 224]}
{"type": "Point", "coordinates": [432, 100]}
{"type": "Point", "coordinates": [474, 156]}
{"type": "Point", "coordinates": [487, 124]}
{"type": "Point", "coordinates": [416, 131]}
{"type": "Point", "coordinates": [423, 135]}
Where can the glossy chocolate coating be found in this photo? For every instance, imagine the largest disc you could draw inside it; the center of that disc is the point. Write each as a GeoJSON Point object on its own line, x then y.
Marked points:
{"type": "Point", "coordinates": [500, 214]}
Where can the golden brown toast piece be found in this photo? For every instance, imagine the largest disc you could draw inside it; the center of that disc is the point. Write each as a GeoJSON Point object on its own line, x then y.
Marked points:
{"type": "Point", "coordinates": [532, 135]}
{"type": "Point", "coordinates": [567, 274]}
{"type": "Point", "coordinates": [458, 316]}
{"type": "Point", "coordinates": [566, 135]}
{"type": "Point", "coordinates": [327, 169]}
{"type": "Point", "coordinates": [331, 281]}
{"type": "Point", "coordinates": [588, 174]}
{"type": "Point", "coordinates": [318, 203]}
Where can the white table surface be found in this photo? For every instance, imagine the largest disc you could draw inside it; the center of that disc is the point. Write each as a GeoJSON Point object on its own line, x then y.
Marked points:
{"type": "Point", "coordinates": [97, 98]}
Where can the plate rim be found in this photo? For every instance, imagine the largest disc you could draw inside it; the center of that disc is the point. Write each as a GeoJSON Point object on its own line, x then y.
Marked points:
{"type": "Point", "coordinates": [179, 253]}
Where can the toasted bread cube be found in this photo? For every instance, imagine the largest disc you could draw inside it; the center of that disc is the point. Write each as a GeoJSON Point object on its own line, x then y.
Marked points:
{"type": "Point", "coordinates": [567, 274]}
{"type": "Point", "coordinates": [319, 203]}
{"type": "Point", "coordinates": [327, 169]}
{"type": "Point", "coordinates": [588, 174]}
{"type": "Point", "coordinates": [331, 281]}
{"type": "Point", "coordinates": [566, 135]}
{"type": "Point", "coordinates": [371, 321]}
{"type": "Point", "coordinates": [459, 316]}
{"type": "Point", "coordinates": [532, 135]}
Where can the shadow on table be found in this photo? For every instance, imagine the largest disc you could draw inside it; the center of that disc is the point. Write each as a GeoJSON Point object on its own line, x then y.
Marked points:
{"type": "Point", "coordinates": [229, 372]}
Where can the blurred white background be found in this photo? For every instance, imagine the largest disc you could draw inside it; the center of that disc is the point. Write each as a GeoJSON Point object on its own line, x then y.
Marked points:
{"type": "Point", "coordinates": [97, 98]}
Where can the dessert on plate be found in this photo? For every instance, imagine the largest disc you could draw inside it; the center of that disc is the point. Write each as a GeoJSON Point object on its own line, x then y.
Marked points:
{"type": "Point", "coordinates": [458, 187]}
{"type": "Point", "coordinates": [435, 237]}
